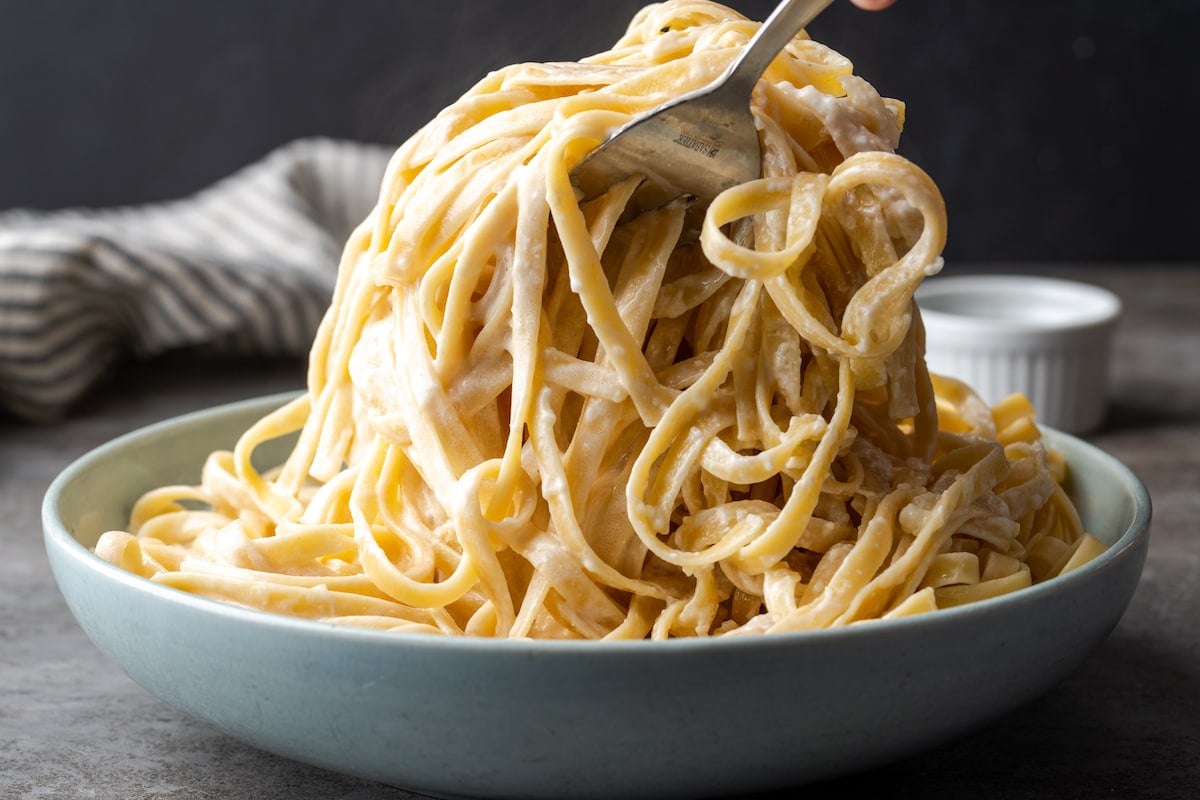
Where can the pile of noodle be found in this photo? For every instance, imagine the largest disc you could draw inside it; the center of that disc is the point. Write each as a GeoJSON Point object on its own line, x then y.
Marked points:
{"type": "Point", "coordinates": [534, 415]}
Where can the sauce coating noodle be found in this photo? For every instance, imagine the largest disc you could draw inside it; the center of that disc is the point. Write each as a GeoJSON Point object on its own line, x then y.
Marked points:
{"type": "Point", "coordinates": [533, 416]}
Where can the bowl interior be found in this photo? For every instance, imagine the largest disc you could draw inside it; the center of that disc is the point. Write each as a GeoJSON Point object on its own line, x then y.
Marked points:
{"type": "Point", "coordinates": [97, 492]}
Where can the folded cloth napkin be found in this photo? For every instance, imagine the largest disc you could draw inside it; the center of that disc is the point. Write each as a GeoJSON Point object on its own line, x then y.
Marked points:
{"type": "Point", "coordinates": [245, 267]}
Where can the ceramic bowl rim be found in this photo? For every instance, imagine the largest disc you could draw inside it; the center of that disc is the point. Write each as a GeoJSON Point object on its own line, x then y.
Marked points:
{"type": "Point", "coordinates": [58, 537]}
{"type": "Point", "coordinates": [1104, 307]}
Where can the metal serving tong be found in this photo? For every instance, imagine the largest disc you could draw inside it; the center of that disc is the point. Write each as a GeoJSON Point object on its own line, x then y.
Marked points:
{"type": "Point", "coordinates": [700, 143]}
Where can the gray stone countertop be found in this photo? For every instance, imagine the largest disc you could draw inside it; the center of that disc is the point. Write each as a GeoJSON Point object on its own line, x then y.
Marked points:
{"type": "Point", "coordinates": [1126, 724]}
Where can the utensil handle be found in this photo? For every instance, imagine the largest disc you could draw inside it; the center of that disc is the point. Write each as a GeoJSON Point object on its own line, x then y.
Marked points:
{"type": "Point", "coordinates": [788, 18]}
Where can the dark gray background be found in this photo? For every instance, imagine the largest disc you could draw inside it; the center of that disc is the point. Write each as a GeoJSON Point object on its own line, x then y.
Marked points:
{"type": "Point", "coordinates": [1058, 130]}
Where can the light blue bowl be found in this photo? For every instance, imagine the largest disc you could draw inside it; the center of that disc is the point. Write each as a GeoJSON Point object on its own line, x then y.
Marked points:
{"type": "Point", "coordinates": [472, 717]}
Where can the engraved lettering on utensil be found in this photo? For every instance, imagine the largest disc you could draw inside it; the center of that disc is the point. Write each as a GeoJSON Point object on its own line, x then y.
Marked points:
{"type": "Point", "coordinates": [698, 145]}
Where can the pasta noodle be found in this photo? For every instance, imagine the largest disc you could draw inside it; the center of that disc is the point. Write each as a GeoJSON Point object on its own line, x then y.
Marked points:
{"type": "Point", "coordinates": [534, 415]}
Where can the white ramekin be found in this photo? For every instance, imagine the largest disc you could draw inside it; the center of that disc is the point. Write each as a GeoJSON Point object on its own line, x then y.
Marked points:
{"type": "Point", "coordinates": [1047, 338]}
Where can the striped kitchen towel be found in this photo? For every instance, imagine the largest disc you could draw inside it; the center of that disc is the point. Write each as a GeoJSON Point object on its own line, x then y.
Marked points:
{"type": "Point", "coordinates": [245, 267]}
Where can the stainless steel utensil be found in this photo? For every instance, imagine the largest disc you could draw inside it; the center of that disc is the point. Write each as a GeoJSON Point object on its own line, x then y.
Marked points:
{"type": "Point", "coordinates": [703, 142]}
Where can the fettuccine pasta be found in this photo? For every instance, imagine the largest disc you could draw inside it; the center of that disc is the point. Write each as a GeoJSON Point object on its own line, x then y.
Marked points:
{"type": "Point", "coordinates": [531, 414]}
